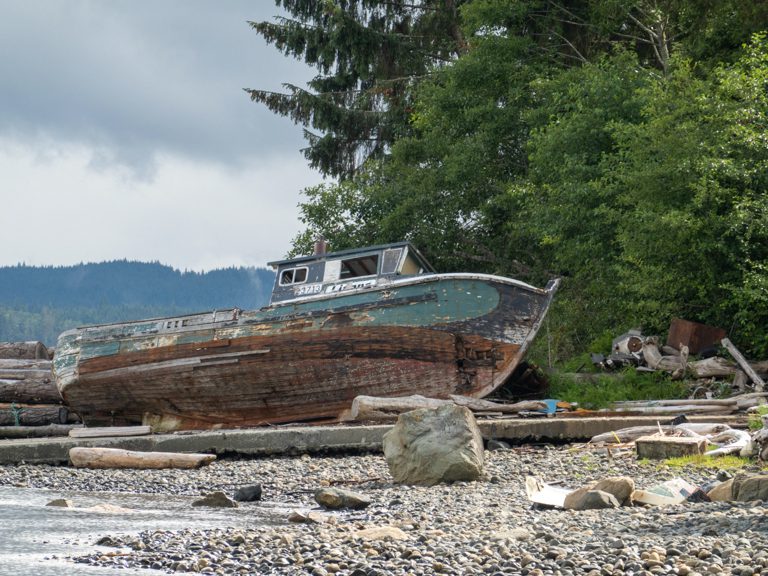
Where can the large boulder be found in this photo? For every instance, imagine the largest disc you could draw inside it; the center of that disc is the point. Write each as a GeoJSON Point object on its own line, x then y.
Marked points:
{"type": "Point", "coordinates": [429, 446]}
{"type": "Point", "coordinates": [749, 486]}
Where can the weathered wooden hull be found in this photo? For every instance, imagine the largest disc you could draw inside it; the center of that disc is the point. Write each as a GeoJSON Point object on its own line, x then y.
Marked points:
{"type": "Point", "coordinates": [436, 335]}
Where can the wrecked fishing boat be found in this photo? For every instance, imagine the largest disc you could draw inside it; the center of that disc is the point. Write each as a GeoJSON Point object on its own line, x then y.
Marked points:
{"type": "Point", "coordinates": [376, 321]}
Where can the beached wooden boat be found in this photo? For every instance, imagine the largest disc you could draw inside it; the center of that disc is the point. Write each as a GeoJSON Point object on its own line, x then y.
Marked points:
{"type": "Point", "coordinates": [376, 321]}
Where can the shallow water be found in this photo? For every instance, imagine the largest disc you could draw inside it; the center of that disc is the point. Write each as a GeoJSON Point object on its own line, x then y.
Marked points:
{"type": "Point", "coordinates": [37, 539]}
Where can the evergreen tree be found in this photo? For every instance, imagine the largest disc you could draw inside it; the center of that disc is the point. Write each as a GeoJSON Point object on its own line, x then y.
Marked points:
{"type": "Point", "coordinates": [369, 54]}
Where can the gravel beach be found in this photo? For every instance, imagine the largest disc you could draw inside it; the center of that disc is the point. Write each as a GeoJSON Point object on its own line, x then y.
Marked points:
{"type": "Point", "coordinates": [484, 527]}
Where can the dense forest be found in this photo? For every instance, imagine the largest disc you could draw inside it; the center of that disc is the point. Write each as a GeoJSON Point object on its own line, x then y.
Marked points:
{"type": "Point", "coordinates": [619, 144]}
{"type": "Point", "coordinates": [38, 303]}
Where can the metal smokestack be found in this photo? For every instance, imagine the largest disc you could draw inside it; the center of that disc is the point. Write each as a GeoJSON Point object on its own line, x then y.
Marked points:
{"type": "Point", "coordinates": [321, 246]}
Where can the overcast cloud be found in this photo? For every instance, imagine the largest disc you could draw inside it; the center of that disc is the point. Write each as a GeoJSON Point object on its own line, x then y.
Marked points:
{"type": "Point", "coordinates": [125, 133]}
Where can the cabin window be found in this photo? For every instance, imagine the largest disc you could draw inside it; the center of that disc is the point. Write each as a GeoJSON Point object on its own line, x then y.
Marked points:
{"type": "Point", "coordinates": [293, 276]}
{"type": "Point", "coordinates": [356, 267]}
{"type": "Point", "coordinates": [390, 260]}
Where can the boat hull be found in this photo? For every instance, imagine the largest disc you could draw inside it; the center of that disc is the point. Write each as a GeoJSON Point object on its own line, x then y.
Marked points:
{"type": "Point", "coordinates": [303, 361]}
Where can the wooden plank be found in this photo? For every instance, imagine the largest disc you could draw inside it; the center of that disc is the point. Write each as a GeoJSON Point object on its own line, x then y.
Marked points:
{"type": "Point", "coordinates": [742, 362]}
{"type": "Point", "coordinates": [82, 457]}
{"type": "Point", "coordinates": [108, 431]}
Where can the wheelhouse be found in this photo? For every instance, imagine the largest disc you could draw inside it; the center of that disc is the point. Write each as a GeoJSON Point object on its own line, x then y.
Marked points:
{"type": "Point", "coordinates": [332, 272]}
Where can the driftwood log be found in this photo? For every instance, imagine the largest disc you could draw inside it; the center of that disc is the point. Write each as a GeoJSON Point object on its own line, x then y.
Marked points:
{"type": "Point", "coordinates": [678, 364]}
{"type": "Point", "coordinates": [675, 364]}
{"type": "Point", "coordinates": [46, 431]}
{"type": "Point", "coordinates": [743, 364]}
{"type": "Point", "coordinates": [24, 350]}
{"type": "Point", "coordinates": [82, 457]}
{"type": "Point", "coordinates": [675, 410]}
{"type": "Point", "coordinates": [33, 391]}
{"type": "Point", "coordinates": [376, 408]}
{"type": "Point", "coordinates": [25, 364]}
{"type": "Point", "coordinates": [35, 414]}
{"type": "Point", "coordinates": [33, 386]}
{"type": "Point", "coordinates": [674, 407]}
{"type": "Point", "coordinates": [751, 399]}
{"type": "Point", "coordinates": [713, 367]}
{"type": "Point", "coordinates": [625, 435]}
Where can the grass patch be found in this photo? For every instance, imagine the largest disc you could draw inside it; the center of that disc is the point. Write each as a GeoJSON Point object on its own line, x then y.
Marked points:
{"type": "Point", "coordinates": [755, 420]}
{"type": "Point", "coordinates": [601, 390]}
{"type": "Point", "coordinates": [726, 462]}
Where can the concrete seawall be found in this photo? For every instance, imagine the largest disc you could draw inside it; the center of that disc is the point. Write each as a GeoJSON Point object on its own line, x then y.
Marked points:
{"type": "Point", "coordinates": [311, 439]}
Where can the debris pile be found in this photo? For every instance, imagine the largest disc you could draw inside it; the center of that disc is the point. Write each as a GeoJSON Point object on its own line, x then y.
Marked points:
{"type": "Point", "coordinates": [686, 438]}
{"type": "Point", "coordinates": [697, 353]}
{"type": "Point", "coordinates": [618, 491]}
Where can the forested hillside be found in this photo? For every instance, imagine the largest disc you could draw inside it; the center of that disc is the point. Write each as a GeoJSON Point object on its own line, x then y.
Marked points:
{"type": "Point", "coordinates": [38, 303]}
{"type": "Point", "coordinates": [618, 144]}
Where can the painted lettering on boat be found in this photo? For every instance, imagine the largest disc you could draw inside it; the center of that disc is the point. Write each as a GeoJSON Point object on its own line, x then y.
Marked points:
{"type": "Point", "coordinates": [308, 289]}
{"type": "Point", "coordinates": [351, 286]}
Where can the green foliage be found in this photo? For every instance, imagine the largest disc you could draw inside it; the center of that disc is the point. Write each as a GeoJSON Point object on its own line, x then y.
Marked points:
{"type": "Point", "coordinates": [655, 196]}
{"type": "Point", "coordinates": [619, 144]}
{"type": "Point", "coordinates": [600, 390]}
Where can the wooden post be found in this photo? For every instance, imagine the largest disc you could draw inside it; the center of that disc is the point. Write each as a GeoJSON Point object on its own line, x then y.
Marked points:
{"type": "Point", "coordinates": [742, 362]}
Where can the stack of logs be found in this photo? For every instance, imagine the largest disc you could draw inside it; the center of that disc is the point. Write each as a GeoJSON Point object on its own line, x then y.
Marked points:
{"type": "Point", "coordinates": [28, 393]}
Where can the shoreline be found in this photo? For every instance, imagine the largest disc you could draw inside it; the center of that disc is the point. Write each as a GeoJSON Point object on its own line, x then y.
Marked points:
{"type": "Point", "coordinates": [483, 527]}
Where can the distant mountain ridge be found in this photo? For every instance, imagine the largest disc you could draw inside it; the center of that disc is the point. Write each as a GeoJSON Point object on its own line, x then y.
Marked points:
{"type": "Point", "coordinates": [40, 302]}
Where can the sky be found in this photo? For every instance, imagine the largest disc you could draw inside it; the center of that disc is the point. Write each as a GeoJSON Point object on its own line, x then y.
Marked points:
{"type": "Point", "coordinates": [125, 133]}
